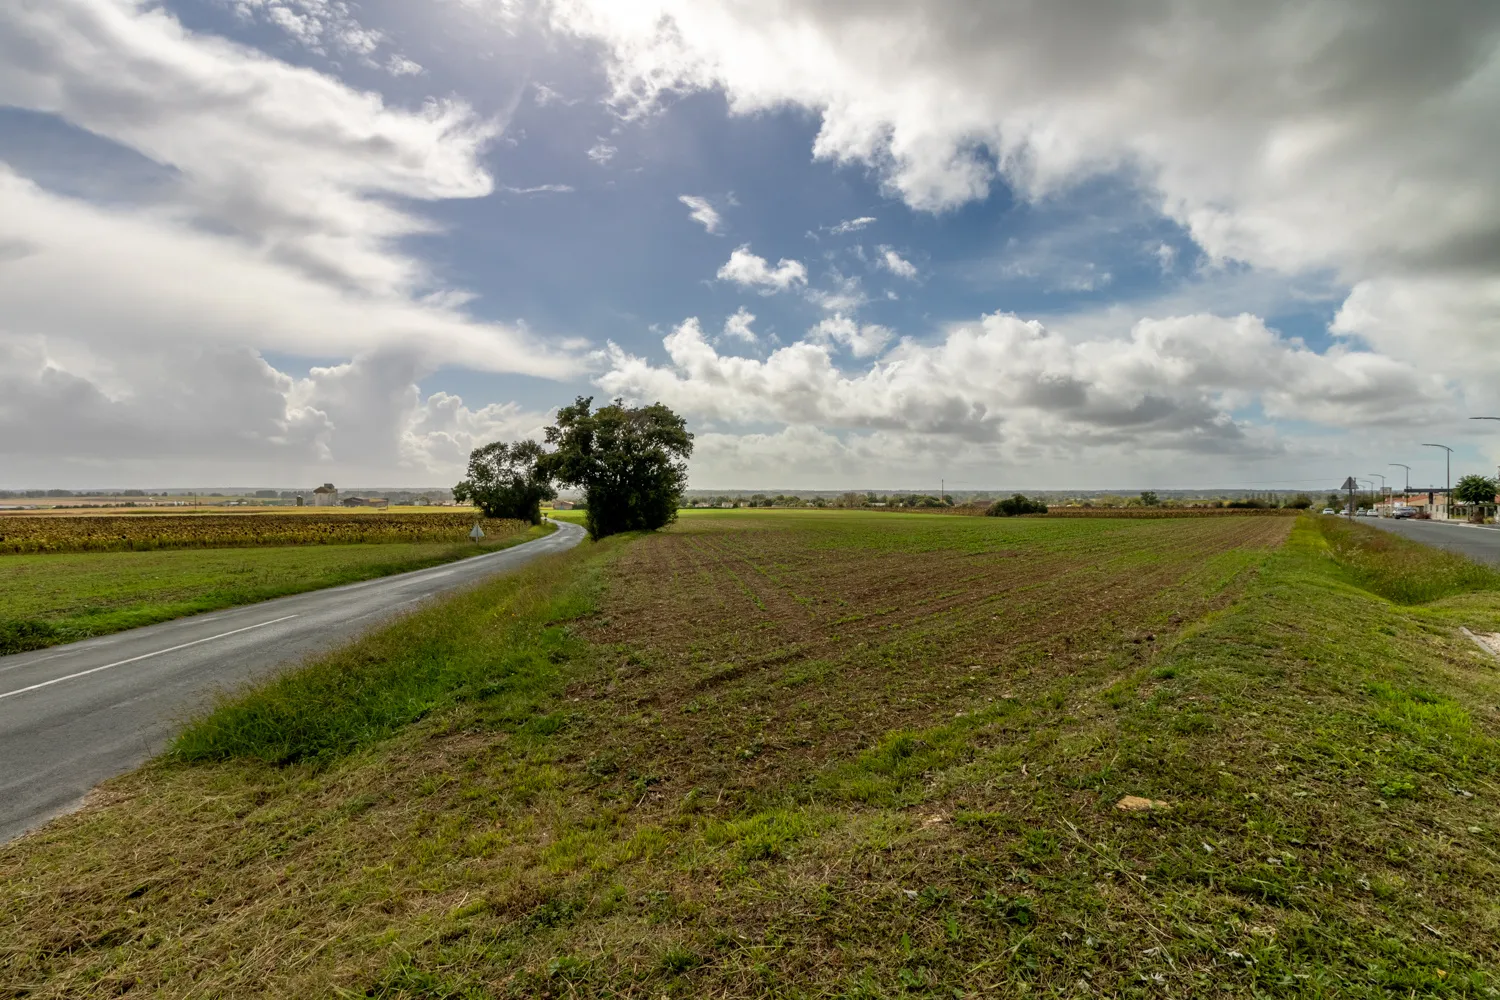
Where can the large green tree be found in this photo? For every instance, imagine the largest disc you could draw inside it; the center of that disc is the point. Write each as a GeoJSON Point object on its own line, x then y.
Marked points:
{"type": "Point", "coordinates": [1474, 489]}
{"type": "Point", "coordinates": [630, 462]}
{"type": "Point", "coordinates": [507, 480]}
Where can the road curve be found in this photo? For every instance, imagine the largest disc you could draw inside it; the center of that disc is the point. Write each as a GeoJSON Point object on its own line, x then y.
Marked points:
{"type": "Point", "coordinates": [72, 716]}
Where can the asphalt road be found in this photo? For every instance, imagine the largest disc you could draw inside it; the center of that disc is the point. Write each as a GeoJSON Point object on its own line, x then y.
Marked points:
{"type": "Point", "coordinates": [1482, 544]}
{"type": "Point", "coordinates": [72, 716]}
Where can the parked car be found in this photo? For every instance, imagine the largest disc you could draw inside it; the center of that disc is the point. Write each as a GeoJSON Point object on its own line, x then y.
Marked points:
{"type": "Point", "coordinates": [1329, 510]}
{"type": "Point", "coordinates": [1403, 512]}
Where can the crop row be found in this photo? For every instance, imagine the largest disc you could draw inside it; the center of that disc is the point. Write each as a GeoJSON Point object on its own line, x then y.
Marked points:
{"type": "Point", "coordinates": [119, 533]}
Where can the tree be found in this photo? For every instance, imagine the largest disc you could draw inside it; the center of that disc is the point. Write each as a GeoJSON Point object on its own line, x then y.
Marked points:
{"type": "Point", "coordinates": [630, 462]}
{"type": "Point", "coordinates": [507, 480]}
{"type": "Point", "coordinates": [1300, 502]}
{"type": "Point", "coordinates": [1149, 498]}
{"type": "Point", "coordinates": [1474, 489]}
{"type": "Point", "coordinates": [1017, 504]}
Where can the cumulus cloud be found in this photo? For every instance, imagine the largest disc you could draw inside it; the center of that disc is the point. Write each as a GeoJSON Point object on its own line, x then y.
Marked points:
{"type": "Point", "coordinates": [702, 211]}
{"type": "Point", "coordinates": [1008, 385]}
{"type": "Point", "coordinates": [1356, 139]}
{"type": "Point", "coordinates": [601, 152]}
{"type": "Point", "coordinates": [738, 326]}
{"type": "Point", "coordinates": [750, 271]}
{"type": "Point", "coordinates": [862, 341]}
{"type": "Point", "coordinates": [896, 264]}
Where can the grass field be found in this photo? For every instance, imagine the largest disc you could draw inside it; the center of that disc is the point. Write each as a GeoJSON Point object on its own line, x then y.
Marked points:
{"type": "Point", "coordinates": [815, 754]}
{"type": "Point", "coordinates": [55, 598]}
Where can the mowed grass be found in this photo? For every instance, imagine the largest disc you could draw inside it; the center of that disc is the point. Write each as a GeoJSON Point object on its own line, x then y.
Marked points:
{"type": "Point", "coordinates": [831, 755]}
{"type": "Point", "coordinates": [54, 598]}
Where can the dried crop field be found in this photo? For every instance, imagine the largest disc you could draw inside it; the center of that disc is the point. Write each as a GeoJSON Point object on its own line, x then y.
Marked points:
{"type": "Point", "coordinates": [146, 532]}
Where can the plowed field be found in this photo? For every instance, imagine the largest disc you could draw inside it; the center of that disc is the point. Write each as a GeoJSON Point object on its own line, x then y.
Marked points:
{"type": "Point", "coordinates": [802, 632]}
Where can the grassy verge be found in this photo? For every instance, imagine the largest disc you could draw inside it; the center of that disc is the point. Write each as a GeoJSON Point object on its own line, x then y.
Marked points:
{"type": "Point", "coordinates": [50, 599]}
{"type": "Point", "coordinates": [820, 756]}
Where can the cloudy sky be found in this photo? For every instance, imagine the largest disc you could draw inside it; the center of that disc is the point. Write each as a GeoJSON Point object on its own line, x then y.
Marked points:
{"type": "Point", "coordinates": [1048, 244]}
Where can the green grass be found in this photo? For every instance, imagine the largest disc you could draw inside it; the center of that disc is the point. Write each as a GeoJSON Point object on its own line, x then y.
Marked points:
{"type": "Point", "coordinates": [56, 598]}
{"type": "Point", "coordinates": [565, 784]}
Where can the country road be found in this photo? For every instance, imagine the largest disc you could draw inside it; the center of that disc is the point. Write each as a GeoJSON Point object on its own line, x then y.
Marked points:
{"type": "Point", "coordinates": [1479, 544]}
{"type": "Point", "coordinates": [72, 716]}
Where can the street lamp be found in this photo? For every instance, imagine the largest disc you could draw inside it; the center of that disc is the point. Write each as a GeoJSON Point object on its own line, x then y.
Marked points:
{"type": "Point", "coordinates": [1484, 418]}
{"type": "Point", "coordinates": [1382, 483]}
{"type": "Point", "coordinates": [1408, 474]}
{"type": "Point", "coordinates": [1448, 499]}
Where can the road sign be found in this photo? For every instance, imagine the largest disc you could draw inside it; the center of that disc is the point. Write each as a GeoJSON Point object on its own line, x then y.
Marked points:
{"type": "Point", "coordinates": [476, 532]}
{"type": "Point", "coordinates": [1349, 484]}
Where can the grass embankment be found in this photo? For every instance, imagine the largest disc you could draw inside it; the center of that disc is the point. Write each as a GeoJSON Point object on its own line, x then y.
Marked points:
{"type": "Point", "coordinates": [50, 599]}
{"type": "Point", "coordinates": [831, 755]}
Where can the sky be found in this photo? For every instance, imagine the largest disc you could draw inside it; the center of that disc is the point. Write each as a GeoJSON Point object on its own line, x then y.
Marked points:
{"type": "Point", "coordinates": [1017, 245]}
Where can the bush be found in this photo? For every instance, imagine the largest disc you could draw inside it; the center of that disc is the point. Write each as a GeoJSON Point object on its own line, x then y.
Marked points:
{"type": "Point", "coordinates": [1014, 505]}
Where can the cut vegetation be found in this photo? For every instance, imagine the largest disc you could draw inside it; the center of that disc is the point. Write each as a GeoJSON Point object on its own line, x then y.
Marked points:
{"type": "Point", "coordinates": [63, 597]}
{"type": "Point", "coordinates": [830, 755]}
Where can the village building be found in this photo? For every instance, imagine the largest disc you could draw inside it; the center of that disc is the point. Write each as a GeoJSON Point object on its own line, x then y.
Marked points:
{"type": "Point", "coordinates": [325, 496]}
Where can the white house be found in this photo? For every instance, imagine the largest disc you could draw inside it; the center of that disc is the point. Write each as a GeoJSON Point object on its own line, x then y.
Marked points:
{"type": "Point", "coordinates": [325, 496]}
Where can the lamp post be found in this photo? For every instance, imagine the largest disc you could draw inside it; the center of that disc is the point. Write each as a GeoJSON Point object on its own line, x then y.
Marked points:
{"type": "Point", "coordinates": [1408, 475]}
{"type": "Point", "coordinates": [1484, 418]}
{"type": "Point", "coordinates": [1370, 483]}
{"type": "Point", "coordinates": [1448, 494]}
{"type": "Point", "coordinates": [1380, 498]}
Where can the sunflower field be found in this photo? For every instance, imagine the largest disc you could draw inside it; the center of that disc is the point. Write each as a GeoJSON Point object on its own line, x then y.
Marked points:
{"type": "Point", "coordinates": [133, 532]}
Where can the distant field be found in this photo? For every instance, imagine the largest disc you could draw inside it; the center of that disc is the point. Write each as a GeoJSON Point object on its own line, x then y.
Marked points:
{"type": "Point", "coordinates": [30, 533]}
{"type": "Point", "coordinates": [831, 754]}
{"type": "Point", "coordinates": [53, 598]}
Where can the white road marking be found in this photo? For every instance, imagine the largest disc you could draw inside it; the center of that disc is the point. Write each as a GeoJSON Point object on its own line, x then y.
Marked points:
{"type": "Point", "coordinates": [143, 656]}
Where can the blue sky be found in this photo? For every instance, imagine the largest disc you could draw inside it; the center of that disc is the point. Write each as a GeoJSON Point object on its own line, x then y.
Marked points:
{"type": "Point", "coordinates": [277, 241]}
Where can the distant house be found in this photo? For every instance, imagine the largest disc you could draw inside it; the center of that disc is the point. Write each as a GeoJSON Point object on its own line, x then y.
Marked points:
{"type": "Point", "coordinates": [325, 496]}
{"type": "Point", "coordinates": [562, 505]}
{"type": "Point", "coordinates": [355, 502]}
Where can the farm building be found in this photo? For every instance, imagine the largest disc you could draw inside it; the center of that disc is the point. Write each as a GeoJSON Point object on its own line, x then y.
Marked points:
{"type": "Point", "coordinates": [325, 496]}
{"type": "Point", "coordinates": [562, 505]}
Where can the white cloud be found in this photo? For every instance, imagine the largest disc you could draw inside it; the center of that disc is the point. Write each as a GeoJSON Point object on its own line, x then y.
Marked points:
{"type": "Point", "coordinates": [1352, 139]}
{"type": "Point", "coordinates": [738, 326]}
{"type": "Point", "coordinates": [1174, 385]}
{"type": "Point", "coordinates": [896, 264]}
{"type": "Point", "coordinates": [1166, 257]}
{"type": "Point", "coordinates": [602, 152]}
{"type": "Point", "coordinates": [844, 294]}
{"type": "Point", "coordinates": [852, 225]}
{"type": "Point", "coordinates": [862, 341]}
{"type": "Point", "coordinates": [702, 211]}
{"type": "Point", "coordinates": [747, 270]}
{"type": "Point", "coordinates": [398, 65]}
{"type": "Point", "coordinates": [280, 230]}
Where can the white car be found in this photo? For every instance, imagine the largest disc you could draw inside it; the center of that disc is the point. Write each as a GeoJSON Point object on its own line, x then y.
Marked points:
{"type": "Point", "coordinates": [1329, 510]}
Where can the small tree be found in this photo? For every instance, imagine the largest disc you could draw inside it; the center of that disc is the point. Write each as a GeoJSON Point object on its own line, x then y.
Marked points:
{"type": "Point", "coordinates": [1149, 498]}
{"type": "Point", "coordinates": [1300, 502]}
{"type": "Point", "coordinates": [1017, 504]}
{"type": "Point", "coordinates": [631, 463]}
{"type": "Point", "coordinates": [506, 480]}
{"type": "Point", "coordinates": [1474, 489]}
